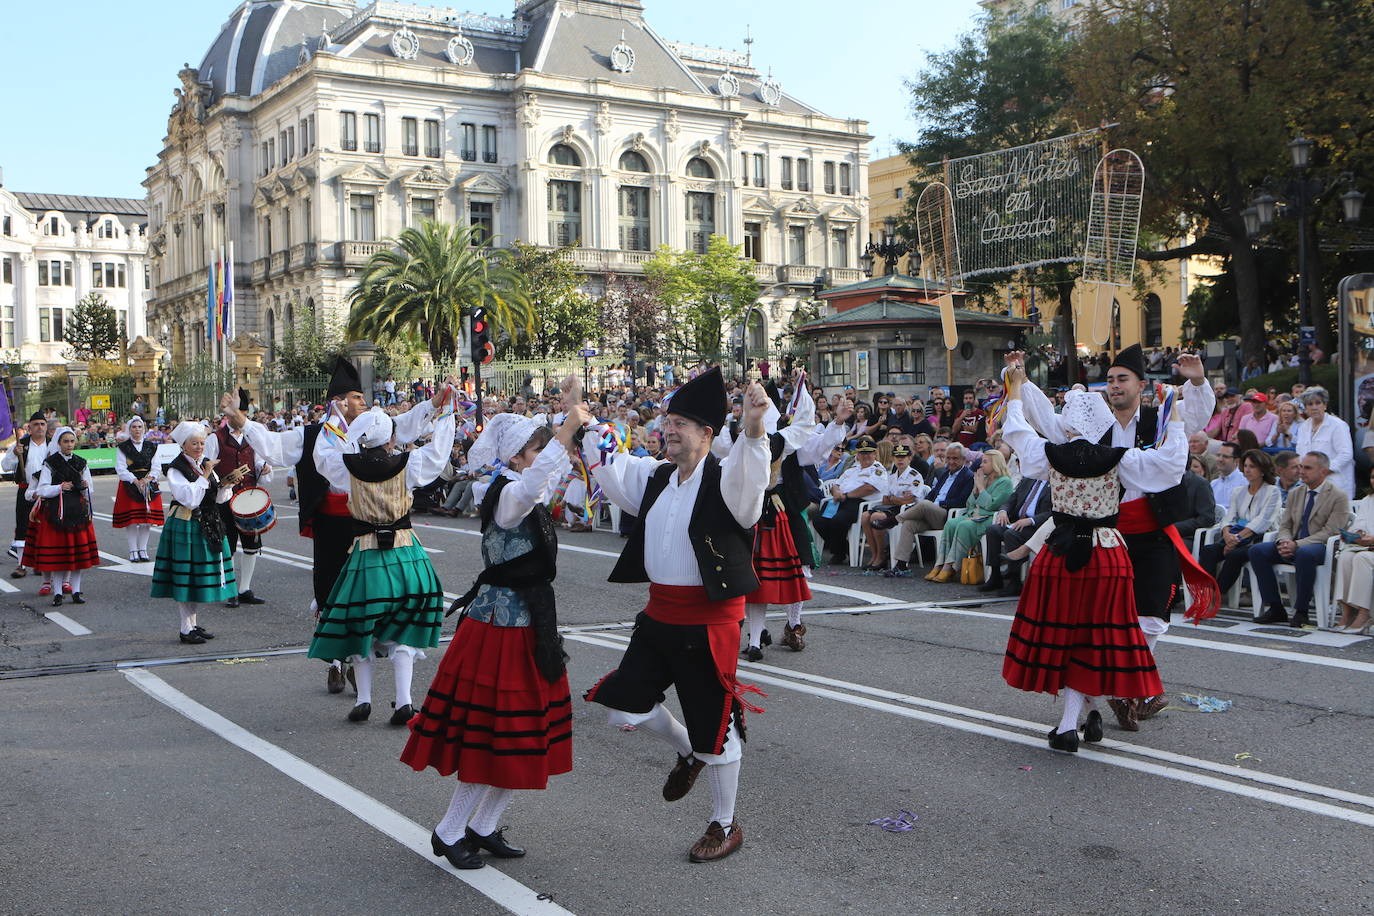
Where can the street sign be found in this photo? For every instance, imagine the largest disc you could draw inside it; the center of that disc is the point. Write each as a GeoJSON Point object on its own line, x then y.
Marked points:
{"type": "Point", "coordinates": [587, 353]}
{"type": "Point", "coordinates": [1307, 335]}
{"type": "Point", "coordinates": [100, 402]}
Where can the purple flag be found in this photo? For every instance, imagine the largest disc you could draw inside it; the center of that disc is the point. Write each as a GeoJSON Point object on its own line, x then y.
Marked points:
{"type": "Point", "coordinates": [6, 418]}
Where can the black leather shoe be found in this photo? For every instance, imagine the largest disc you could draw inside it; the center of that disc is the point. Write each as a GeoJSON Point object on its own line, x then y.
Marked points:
{"type": "Point", "coordinates": [403, 715]}
{"type": "Point", "coordinates": [1299, 620]}
{"type": "Point", "coordinates": [192, 638]}
{"type": "Point", "coordinates": [992, 585]}
{"type": "Point", "coordinates": [249, 598]}
{"type": "Point", "coordinates": [77, 598]}
{"type": "Point", "coordinates": [682, 777]}
{"type": "Point", "coordinates": [495, 844]}
{"type": "Point", "coordinates": [1275, 614]}
{"type": "Point", "coordinates": [753, 654]}
{"type": "Point", "coordinates": [232, 602]}
{"type": "Point", "coordinates": [1092, 728]}
{"type": "Point", "coordinates": [203, 633]}
{"type": "Point", "coordinates": [360, 712]}
{"type": "Point", "coordinates": [459, 855]}
{"type": "Point", "coordinates": [57, 599]}
{"type": "Point", "coordinates": [19, 573]}
{"type": "Point", "coordinates": [1010, 590]}
{"type": "Point", "coordinates": [765, 638]}
{"type": "Point", "coordinates": [334, 681]}
{"type": "Point", "coordinates": [1066, 742]}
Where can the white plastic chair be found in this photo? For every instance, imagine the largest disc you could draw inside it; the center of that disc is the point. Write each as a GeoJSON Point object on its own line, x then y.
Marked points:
{"type": "Point", "coordinates": [934, 534]}
{"type": "Point", "coordinates": [1322, 611]}
{"type": "Point", "coordinates": [858, 544]}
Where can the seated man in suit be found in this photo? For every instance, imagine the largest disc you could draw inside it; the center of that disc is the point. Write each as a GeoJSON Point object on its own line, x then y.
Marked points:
{"type": "Point", "coordinates": [1202, 507]}
{"type": "Point", "coordinates": [1316, 510]}
{"type": "Point", "coordinates": [1025, 510]}
{"type": "Point", "coordinates": [950, 490]}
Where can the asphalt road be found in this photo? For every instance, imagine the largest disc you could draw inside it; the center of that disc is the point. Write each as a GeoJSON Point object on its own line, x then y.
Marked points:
{"type": "Point", "coordinates": [144, 776]}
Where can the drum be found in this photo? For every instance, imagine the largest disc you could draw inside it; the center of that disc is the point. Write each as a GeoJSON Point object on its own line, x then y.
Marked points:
{"type": "Point", "coordinates": [253, 512]}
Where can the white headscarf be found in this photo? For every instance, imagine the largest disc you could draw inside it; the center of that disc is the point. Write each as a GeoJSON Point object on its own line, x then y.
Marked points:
{"type": "Point", "coordinates": [503, 439]}
{"type": "Point", "coordinates": [53, 448]}
{"type": "Point", "coordinates": [372, 429]}
{"type": "Point", "coordinates": [1087, 413]}
{"type": "Point", "coordinates": [186, 429]}
{"type": "Point", "coordinates": [128, 433]}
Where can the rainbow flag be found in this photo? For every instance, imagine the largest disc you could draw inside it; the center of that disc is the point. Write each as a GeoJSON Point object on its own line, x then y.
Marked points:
{"type": "Point", "coordinates": [335, 427]}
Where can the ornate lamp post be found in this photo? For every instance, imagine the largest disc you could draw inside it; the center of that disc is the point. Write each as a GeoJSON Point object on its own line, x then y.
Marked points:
{"type": "Point", "coordinates": [890, 248]}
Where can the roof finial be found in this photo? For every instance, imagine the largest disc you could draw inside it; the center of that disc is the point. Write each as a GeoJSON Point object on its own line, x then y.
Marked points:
{"type": "Point", "coordinates": [748, 44]}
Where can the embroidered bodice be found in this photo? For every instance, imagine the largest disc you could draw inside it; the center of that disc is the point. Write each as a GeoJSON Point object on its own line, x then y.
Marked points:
{"type": "Point", "coordinates": [1085, 497]}
{"type": "Point", "coordinates": [495, 604]}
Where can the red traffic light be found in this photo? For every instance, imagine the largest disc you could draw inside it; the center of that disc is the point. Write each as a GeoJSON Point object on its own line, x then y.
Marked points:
{"type": "Point", "coordinates": [479, 326]}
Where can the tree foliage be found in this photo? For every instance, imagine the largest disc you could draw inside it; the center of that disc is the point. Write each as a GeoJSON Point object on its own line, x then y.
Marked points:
{"type": "Point", "coordinates": [564, 317]}
{"type": "Point", "coordinates": [632, 310]}
{"type": "Point", "coordinates": [428, 282]}
{"type": "Point", "coordinates": [702, 294]}
{"type": "Point", "coordinates": [308, 346]}
{"type": "Point", "coordinates": [93, 330]}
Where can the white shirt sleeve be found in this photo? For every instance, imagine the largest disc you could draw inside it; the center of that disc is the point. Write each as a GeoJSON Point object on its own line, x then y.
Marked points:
{"type": "Point", "coordinates": [426, 462]}
{"type": "Point", "coordinates": [624, 480]}
{"type": "Point", "coordinates": [1038, 413]}
{"type": "Point", "coordinates": [329, 462]}
{"type": "Point", "coordinates": [122, 467]}
{"type": "Point", "coordinates": [1029, 447]}
{"type": "Point", "coordinates": [188, 493]}
{"type": "Point", "coordinates": [720, 445]}
{"type": "Point", "coordinates": [1199, 400]}
{"type": "Point", "coordinates": [10, 461]}
{"type": "Point", "coordinates": [535, 485]}
{"type": "Point", "coordinates": [815, 449]}
{"type": "Point", "coordinates": [744, 477]}
{"type": "Point", "coordinates": [411, 424]}
{"type": "Point", "coordinates": [282, 449]}
{"type": "Point", "coordinates": [1154, 470]}
{"type": "Point", "coordinates": [211, 445]}
{"type": "Point", "coordinates": [46, 488]}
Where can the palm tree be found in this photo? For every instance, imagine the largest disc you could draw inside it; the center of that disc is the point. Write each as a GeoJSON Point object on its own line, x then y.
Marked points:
{"type": "Point", "coordinates": [425, 285]}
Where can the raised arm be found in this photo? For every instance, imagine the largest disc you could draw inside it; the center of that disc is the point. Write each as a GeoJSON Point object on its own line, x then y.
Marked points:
{"type": "Point", "coordinates": [536, 485]}
{"type": "Point", "coordinates": [282, 449]}
{"type": "Point", "coordinates": [744, 472]}
{"type": "Point", "coordinates": [1027, 444]}
{"type": "Point", "coordinates": [1199, 400]}
{"type": "Point", "coordinates": [426, 462]}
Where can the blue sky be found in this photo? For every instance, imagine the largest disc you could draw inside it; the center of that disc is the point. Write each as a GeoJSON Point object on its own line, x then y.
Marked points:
{"type": "Point", "coordinates": [88, 83]}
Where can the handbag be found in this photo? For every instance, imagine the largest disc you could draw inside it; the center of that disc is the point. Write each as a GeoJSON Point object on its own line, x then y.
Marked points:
{"type": "Point", "coordinates": [971, 568]}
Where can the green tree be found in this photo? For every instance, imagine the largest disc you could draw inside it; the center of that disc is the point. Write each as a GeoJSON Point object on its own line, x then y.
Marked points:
{"type": "Point", "coordinates": [427, 283]}
{"type": "Point", "coordinates": [564, 316]}
{"type": "Point", "coordinates": [93, 331]}
{"type": "Point", "coordinates": [703, 294]}
{"type": "Point", "coordinates": [308, 346]}
{"type": "Point", "coordinates": [632, 311]}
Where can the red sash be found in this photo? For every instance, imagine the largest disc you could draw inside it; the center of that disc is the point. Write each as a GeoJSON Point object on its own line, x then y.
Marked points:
{"type": "Point", "coordinates": [1138, 518]}
{"type": "Point", "coordinates": [334, 504]}
{"type": "Point", "coordinates": [687, 605]}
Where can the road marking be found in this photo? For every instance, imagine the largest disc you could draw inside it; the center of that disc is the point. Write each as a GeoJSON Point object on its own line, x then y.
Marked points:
{"type": "Point", "coordinates": [793, 682]}
{"type": "Point", "coordinates": [66, 623]}
{"type": "Point", "coordinates": [6, 586]}
{"type": "Point", "coordinates": [488, 881]}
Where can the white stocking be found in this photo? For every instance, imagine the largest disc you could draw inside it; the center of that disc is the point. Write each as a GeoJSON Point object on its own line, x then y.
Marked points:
{"type": "Point", "coordinates": [489, 811]}
{"type": "Point", "coordinates": [188, 616]}
{"type": "Point", "coordinates": [362, 673]}
{"type": "Point", "coordinates": [132, 534]}
{"type": "Point", "coordinates": [724, 780]}
{"type": "Point", "coordinates": [794, 614]}
{"type": "Point", "coordinates": [248, 562]}
{"type": "Point", "coordinates": [1153, 628]}
{"type": "Point", "coordinates": [76, 579]}
{"type": "Point", "coordinates": [1073, 707]}
{"type": "Point", "coordinates": [660, 723]}
{"type": "Point", "coordinates": [754, 615]}
{"type": "Point", "coordinates": [402, 667]}
{"type": "Point", "coordinates": [144, 533]}
{"type": "Point", "coordinates": [460, 808]}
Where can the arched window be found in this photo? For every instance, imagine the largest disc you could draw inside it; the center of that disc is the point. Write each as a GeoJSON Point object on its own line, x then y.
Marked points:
{"type": "Point", "coordinates": [1154, 322]}
{"type": "Point", "coordinates": [563, 154]}
{"type": "Point", "coordinates": [699, 168]}
{"type": "Point", "coordinates": [754, 333]}
{"type": "Point", "coordinates": [271, 337]}
{"type": "Point", "coordinates": [631, 161]}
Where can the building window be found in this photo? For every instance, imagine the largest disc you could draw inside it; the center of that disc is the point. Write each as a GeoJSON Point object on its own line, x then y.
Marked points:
{"type": "Point", "coordinates": [469, 148]}
{"type": "Point", "coordinates": [267, 234]}
{"type": "Point", "coordinates": [839, 248]}
{"type": "Point", "coordinates": [8, 226]}
{"type": "Point", "coordinates": [362, 209]}
{"type": "Point", "coordinates": [271, 336]}
{"type": "Point", "coordinates": [50, 324]}
{"type": "Point", "coordinates": [699, 168]}
{"type": "Point", "coordinates": [271, 154]}
{"type": "Point", "coordinates": [42, 273]}
{"type": "Point", "coordinates": [834, 369]}
{"type": "Point", "coordinates": [830, 178]}
{"type": "Point", "coordinates": [53, 227]}
{"type": "Point", "coordinates": [634, 217]}
{"type": "Point", "coordinates": [304, 125]}
{"type": "Point", "coordinates": [897, 193]}
{"type": "Point", "coordinates": [289, 146]}
{"type": "Point", "coordinates": [631, 161]}
{"type": "Point", "coordinates": [753, 241]}
{"type": "Point", "coordinates": [266, 160]}
{"type": "Point", "coordinates": [760, 170]}
{"type": "Point", "coordinates": [97, 275]}
{"type": "Point", "coordinates": [422, 210]}
{"type": "Point", "coordinates": [563, 154]}
{"type": "Point", "coordinates": [701, 219]}
{"type": "Point", "coordinates": [348, 130]}
{"type": "Point", "coordinates": [803, 174]}
{"type": "Point", "coordinates": [307, 220]}
{"type": "Point", "coordinates": [107, 229]}
{"type": "Point", "coordinates": [7, 327]}
{"type": "Point", "coordinates": [66, 272]}
{"type": "Point", "coordinates": [565, 212]}
{"type": "Point", "coordinates": [372, 125]}
{"type": "Point", "coordinates": [1154, 321]}
{"type": "Point", "coordinates": [488, 143]}
{"type": "Point", "coordinates": [796, 244]}
{"type": "Point", "coordinates": [901, 367]}
{"type": "Point", "coordinates": [744, 168]}
{"type": "Point", "coordinates": [410, 137]}
{"type": "Point", "coordinates": [432, 146]}
{"type": "Point", "coordinates": [6, 270]}
{"type": "Point", "coordinates": [285, 229]}
{"type": "Point", "coordinates": [123, 279]}
{"type": "Point", "coordinates": [785, 180]}
{"type": "Point", "coordinates": [481, 218]}
{"type": "Point", "coordinates": [846, 186]}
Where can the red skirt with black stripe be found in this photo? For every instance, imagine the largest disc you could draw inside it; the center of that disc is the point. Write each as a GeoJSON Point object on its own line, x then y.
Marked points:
{"type": "Point", "coordinates": [52, 549]}
{"type": "Point", "coordinates": [130, 511]}
{"type": "Point", "coordinates": [1080, 630]}
{"type": "Point", "coordinates": [490, 717]}
{"type": "Point", "coordinates": [776, 563]}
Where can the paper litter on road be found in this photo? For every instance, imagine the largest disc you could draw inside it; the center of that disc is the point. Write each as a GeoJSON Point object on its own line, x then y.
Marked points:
{"type": "Point", "coordinates": [903, 822]}
{"type": "Point", "coordinates": [1205, 704]}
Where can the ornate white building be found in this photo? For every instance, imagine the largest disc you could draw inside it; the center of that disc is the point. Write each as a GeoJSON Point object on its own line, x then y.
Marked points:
{"type": "Point", "coordinates": [315, 129]}
{"type": "Point", "coordinates": [55, 249]}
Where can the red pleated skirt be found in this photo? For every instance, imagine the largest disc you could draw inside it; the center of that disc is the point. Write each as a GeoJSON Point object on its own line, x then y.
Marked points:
{"type": "Point", "coordinates": [490, 717]}
{"type": "Point", "coordinates": [129, 511]}
{"type": "Point", "coordinates": [779, 568]}
{"type": "Point", "coordinates": [51, 549]}
{"type": "Point", "coordinates": [1080, 630]}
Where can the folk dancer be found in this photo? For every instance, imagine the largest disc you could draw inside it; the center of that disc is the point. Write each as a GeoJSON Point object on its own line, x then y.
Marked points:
{"type": "Point", "coordinates": [193, 564]}
{"type": "Point", "coordinates": [138, 504]}
{"type": "Point", "coordinates": [694, 545]}
{"type": "Point", "coordinates": [1147, 515]}
{"type": "Point", "coordinates": [387, 600]}
{"type": "Point", "coordinates": [24, 461]}
{"type": "Point", "coordinates": [1075, 627]}
{"type": "Point", "coordinates": [239, 463]}
{"type": "Point", "coordinates": [499, 712]}
{"type": "Point", "coordinates": [61, 533]}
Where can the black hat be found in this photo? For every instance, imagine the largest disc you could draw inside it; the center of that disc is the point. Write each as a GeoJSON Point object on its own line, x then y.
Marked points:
{"type": "Point", "coordinates": [866, 444]}
{"type": "Point", "coordinates": [344, 379]}
{"type": "Point", "coordinates": [1132, 358]}
{"type": "Point", "coordinates": [243, 399]}
{"type": "Point", "coordinates": [770, 388]}
{"type": "Point", "coordinates": [38, 415]}
{"type": "Point", "coordinates": [901, 451]}
{"type": "Point", "coordinates": [702, 399]}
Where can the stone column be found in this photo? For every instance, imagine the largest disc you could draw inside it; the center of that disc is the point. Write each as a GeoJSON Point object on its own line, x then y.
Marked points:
{"type": "Point", "coordinates": [248, 369]}
{"type": "Point", "coordinates": [363, 353]}
{"type": "Point", "coordinates": [19, 388]}
{"type": "Point", "coordinates": [147, 356]}
{"type": "Point", "coordinates": [76, 379]}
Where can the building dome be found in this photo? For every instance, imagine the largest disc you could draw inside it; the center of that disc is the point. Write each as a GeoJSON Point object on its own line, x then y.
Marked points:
{"type": "Point", "coordinates": [262, 42]}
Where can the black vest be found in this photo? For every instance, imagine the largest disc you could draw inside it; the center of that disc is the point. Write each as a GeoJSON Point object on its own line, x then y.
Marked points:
{"type": "Point", "coordinates": [1170, 505]}
{"type": "Point", "coordinates": [139, 460]}
{"type": "Point", "coordinates": [724, 550]}
{"type": "Point", "coordinates": [311, 485]}
{"type": "Point", "coordinates": [68, 509]}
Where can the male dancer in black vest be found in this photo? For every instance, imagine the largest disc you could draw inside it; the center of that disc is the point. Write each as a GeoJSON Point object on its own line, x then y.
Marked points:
{"type": "Point", "coordinates": [242, 467]}
{"type": "Point", "coordinates": [1147, 519]}
{"type": "Point", "coordinates": [24, 462]}
{"type": "Point", "coordinates": [694, 545]}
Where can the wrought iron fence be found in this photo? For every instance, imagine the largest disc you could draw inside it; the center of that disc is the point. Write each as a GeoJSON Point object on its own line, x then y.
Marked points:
{"type": "Point", "coordinates": [283, 392]}
{"type": "Point", "coordinates": [194, 390]}
{"type": "Point", "coordinates": [115, 395]}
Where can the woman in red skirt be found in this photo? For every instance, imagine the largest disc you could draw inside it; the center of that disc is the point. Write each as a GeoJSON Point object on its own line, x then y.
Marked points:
{"type": "Point", "coordinates": [138, 504]}
{"type": "Point", "coordinates": [1076, 629]}
{"type": "Point", "coordinates": [499, 713]}
{"type": "Point", "coordinates": [61, 536]}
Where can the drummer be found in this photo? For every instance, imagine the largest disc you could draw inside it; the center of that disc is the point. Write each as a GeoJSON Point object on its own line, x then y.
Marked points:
{"type": "Point", "coordinates": [240, 466]}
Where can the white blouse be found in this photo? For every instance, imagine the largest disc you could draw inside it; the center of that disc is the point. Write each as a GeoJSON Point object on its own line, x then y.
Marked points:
{"type": "Point", "coordinates": [1258, 512]}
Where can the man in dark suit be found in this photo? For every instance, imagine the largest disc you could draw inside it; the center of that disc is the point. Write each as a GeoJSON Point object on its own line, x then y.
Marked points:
{"type": "Point", "coordinates": [951, 490]}
{"type": "Point", "coordinates": [1202, 507]}
{"type": "Point", "coordinates": [1024, 511]}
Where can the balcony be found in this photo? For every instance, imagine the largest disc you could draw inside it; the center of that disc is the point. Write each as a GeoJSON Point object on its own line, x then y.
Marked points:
{"type": "Point", "coordinates": [259, 273]}
{"type": "Point", "coordinates": [302, 255]}
{"type": "Point", "coordinates": [278, 265]}
{"type": "Point", "coordinates": [357, 254]}
{"type": "Point", "coordinates": [602, 260]}
{"type": "Point", "coordinates": [799, 274]}
{"type": "Point", "coordinates": [843, 276]}
{"type": "Point", "coordinates": [765, 273]}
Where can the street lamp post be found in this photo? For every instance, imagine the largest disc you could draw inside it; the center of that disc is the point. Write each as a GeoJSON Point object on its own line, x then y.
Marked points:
{"type": "Point", "coordinates": [890, 248]}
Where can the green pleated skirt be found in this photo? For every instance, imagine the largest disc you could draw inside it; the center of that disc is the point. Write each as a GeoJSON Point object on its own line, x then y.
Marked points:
{"type": "Point", "coordinates": [381, 596]}
{"type": "Point", "coordinates": [189, 568]}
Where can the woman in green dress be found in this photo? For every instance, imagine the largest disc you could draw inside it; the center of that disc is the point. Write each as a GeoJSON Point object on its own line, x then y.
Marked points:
{"type": "Point", "coordinates": [992, 485]}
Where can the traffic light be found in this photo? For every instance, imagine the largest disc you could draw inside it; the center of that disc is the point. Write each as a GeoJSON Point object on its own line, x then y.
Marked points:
{"type": "Point", "coordinates": [479, 336]}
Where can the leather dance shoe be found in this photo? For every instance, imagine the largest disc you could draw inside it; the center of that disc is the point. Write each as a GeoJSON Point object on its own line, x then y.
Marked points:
{"type": "Point", "coordinates": [360, 712]}
{"type": "Point", "coordinates": [792, 637]}
{"type": "Point", "coordinates": [753, 654]}
{"type": "Point", "coordinates": [192, 638]}
{"type": "Point", "coordinates": [459, 855]}
{"type": "Point", "coordinates": [1153, 705]}
{"type": "Point", "coordinates": [1275, 614]}
{"type": "Point", "coordinates": [249, 598]}
{"type": "Point", "coordinates": [716, 843]}
{"type": "Point", "coordinates": [19, 572]}
{"type": "Point", "coordinates": [57, 600]}
{"type": "Point", "coordinates": [78, 598]}
{"type": "Point", "coordinates": [202, 632]}
{"type": "Point", "coordinates": [495, 844]}
{"type": "Point", "coordinates": [334, 680]}
{"type": "Point", "coordinates": [1092, 728]}
{"type": "Point", "coordinates": [45, 589]}
{"type": "Point", "coordinates": [1066, 742]}
{"type": "Point", "coordinates": [1125, 714]}
{"type": "Point", "coordinates": [765, 638]}
{"type": "Point", "coordinates": [682, 777]}
{"type": "Point", "coordinates": [403, 715]}
{"type": "Point", "coordinates": [232, 602]}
